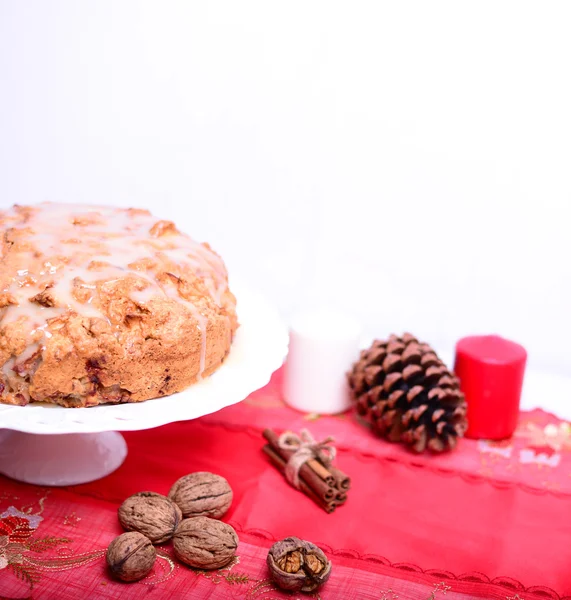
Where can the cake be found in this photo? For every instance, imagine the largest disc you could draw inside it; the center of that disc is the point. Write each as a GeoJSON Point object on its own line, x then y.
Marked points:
{"type": "Point", "coordinates": [106, 305]}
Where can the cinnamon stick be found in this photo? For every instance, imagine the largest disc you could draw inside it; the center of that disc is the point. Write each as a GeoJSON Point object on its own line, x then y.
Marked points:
{"type": "Point", "coordinates": [340, 498]}
{"type": "Point", "coordinates": [308, 470]}
{"type": "Point", "coordinates": [342, 481]}
{"type": "Point", "coordinates": [280, 463]}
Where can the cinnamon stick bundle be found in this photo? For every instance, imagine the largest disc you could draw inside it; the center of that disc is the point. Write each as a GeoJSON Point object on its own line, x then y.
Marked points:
{"type": "Point", "coordinates": [317, 477]}
{"type": "Point", "coordinates": [280, 463]}
{"type": "Point", "coordinates": [327, 486]}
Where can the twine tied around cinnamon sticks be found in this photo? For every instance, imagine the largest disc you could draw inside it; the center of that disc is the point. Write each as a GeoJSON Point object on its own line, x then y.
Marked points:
{"type": "Point", "coordinates": [307, 465]}
{"type": "Point", "coordinates": [305, 448]}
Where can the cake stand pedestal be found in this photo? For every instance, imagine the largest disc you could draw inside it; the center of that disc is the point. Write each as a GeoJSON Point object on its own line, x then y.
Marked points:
{"type": "Point", "coordinates": [65, 459]}
{"type": "Point", "coordinates": [53, 445]}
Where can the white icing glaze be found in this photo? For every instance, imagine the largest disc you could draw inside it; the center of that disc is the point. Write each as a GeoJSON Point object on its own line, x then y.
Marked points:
{"type": "Point", "coordinates": [89, 247]}
{"type": "Point", "coordinates": [7, 367]}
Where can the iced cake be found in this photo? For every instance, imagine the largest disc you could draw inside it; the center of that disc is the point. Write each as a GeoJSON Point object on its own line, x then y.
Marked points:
{"type": "Point", "coordinates": [106, 305]}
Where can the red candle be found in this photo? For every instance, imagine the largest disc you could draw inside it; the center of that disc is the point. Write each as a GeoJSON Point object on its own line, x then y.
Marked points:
{"type": "Point", "coordinates": [490, 369]}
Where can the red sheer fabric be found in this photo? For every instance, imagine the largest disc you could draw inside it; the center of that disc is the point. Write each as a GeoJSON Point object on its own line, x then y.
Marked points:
{"type": "Point", "coordinates": [490, 520]}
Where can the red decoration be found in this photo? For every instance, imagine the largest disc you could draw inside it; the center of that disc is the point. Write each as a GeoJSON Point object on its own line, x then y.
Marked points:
{"type": "Point", "coordinates": [16, 529]}
{"type": "Point", "coordinates": [490, 369]}
{"type": "Point", "coordinates": [410, 531]}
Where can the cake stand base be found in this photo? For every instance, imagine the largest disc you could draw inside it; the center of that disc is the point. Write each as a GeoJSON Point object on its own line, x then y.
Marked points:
{"type": "Point", "coordinates": [64, 459]}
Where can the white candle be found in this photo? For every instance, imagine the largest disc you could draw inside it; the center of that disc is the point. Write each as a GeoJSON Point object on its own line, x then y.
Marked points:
{"type": "Point", "coordinates": [323, 345]}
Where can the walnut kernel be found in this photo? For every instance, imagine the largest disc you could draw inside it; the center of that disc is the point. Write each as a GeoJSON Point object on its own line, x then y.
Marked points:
{"type": "Point", "coordinates": [297, 565]}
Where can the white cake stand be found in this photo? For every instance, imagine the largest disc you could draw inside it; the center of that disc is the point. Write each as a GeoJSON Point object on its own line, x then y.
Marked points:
{"type": "Point", "coordinates": [52, 445]}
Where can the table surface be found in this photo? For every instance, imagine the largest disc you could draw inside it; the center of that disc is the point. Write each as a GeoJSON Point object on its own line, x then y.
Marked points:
{"type": "Point", "coordinates": [489, 520]}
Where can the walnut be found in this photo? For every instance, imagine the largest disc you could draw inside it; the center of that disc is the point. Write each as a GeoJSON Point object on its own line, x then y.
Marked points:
{"type": "Point", "coordinates": [205, 543]}
{"type": "Point", "coordinates": [131, 556]}
{"type": "Point", "coordinates": [44, 298]}
{"type": "Point", "coordinates": [297, 565]}
{"type": "Point", "coordinates": [202, 494]}
{"type": "Point", "coordinates": [153, 515]}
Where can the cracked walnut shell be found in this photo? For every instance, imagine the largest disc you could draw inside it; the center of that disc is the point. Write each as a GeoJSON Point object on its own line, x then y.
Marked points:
{"type": "Point", "coordinates": [131, 556]}
{"type": "Point", "coordinates": [151, 514]}
{"type": "Point", "coordinates": [205, 543]}
{"type": "Point", "coordinates": [297, 565]}
{"type": "Point", "coordinates": [202, 495]}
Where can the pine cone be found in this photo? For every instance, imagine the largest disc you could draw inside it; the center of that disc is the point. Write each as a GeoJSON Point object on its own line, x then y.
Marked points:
{"type": "Point", "coordinates": [408, 394]}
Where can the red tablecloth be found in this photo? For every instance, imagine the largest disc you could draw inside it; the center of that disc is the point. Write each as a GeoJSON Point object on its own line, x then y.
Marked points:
{"type": "Point", "coordinates": [490, 520]}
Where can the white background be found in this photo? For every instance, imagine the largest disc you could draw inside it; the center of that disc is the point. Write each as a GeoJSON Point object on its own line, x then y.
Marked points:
{"type": "Point", "coordinates": [409, 161]}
